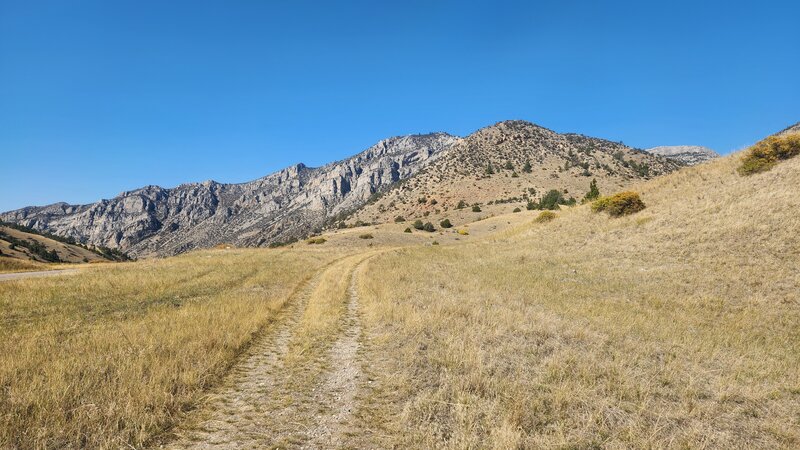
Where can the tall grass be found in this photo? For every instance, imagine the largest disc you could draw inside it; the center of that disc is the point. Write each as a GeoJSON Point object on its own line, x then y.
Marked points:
{"type": "Point", "coordinates": [111, 356]}
{"type": "Point", "coordinates": [682, 330]}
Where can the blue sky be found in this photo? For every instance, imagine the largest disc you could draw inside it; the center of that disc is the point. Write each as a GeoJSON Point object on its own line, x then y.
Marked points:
{"type": "Point", "coordinates": [98, 97]}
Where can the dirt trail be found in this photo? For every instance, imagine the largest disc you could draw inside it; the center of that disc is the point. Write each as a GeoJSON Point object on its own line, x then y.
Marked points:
{"type": "Point", "coordinates": [233, 414]}
{"type": "Point", "coordinates": [38, 274]}
{"type": "Point", "coordinates": [337, 394]}
{"type": "Point", "coordinates": [264, 404]}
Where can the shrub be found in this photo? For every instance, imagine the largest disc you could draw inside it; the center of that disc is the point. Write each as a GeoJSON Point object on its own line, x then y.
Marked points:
{"type": "Point", "coordinates": [463, 232]}
{"type": "Point", "coordinates": [764, 155]}
{"type": "Point", "coordinates": [545, 216]}
{"type": "Point", "coordinates": [552, 199]}
{"type": "Point", "coordinates": [489, 169]}
{"type": "Point", "coordinates": [461, 204]}
{"type": "Point", "coordinates": [428, 227]}
{"type": "Point", "coordinates": [527, 167]}
{"type": "Point", "coordinates": [620, 204]}
{"type": "Point", "coordinates": [508, 166]}
{"type": "Point", "coordinates": [365, 236]}
{"type": "Point", "coordinates": [417, 224]}
{"type": "Point", "coordinates": [445, 223]}
{"type": "Point", "coordinates": [532, 205]}
{"type": "Point", "coordinates": [407, 230]}
{"type": "Point", "coordinates": [433, 201]}
{"type": "Point", "coordinates": [399, 219]}
{"type": "Point", "coordinates": [435, 243]}
{"type": "Point", "coordinates": [593, 193]}
{"type": "Point", "coordinates": [476, 208]}
{"type": "Point", "coordinates": [516, 210]}
{"type": "Point", "coordinates": [316, 241]}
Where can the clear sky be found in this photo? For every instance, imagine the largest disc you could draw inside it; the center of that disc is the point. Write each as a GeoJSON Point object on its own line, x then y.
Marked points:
{"type": "Point", "coordinates": [98, 97]}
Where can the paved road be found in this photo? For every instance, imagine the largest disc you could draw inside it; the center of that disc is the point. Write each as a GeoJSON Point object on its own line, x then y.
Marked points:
{"type": "Point", "coordinates": [42, 273]}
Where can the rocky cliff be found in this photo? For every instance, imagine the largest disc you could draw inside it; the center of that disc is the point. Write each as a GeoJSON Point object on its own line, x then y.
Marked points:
{"type": "Point", "coordinates": [284, 205]}
{"type": "Point", "coordinates": [685, 154]}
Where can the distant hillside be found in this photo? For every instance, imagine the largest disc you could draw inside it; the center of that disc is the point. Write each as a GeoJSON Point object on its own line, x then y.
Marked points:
{"type": "Point", "coordinates": [525, 161]}
{"type": "Point", "coordinates": [515, 162]}
{"type": "Point", "coordinates": [286, 205]}
{"type": "Point", "coordinates": [22, 243]}
{"type": "Point", "coordinates": [685, 154]}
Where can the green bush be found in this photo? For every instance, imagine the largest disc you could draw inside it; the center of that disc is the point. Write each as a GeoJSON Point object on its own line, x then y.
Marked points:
{"type": "Point", "coordinates": [532, 205]}
{"type": "Point", "coordinates": [476, 208]}
{"type": "Point", "coordinates": [428, 227]}
{"type": "Point", "coordinates": [516, 210]}
{"type": "Point", "coordinates": [545, 216]}
{"type": "Point", "coordinates": [461, 204]}
{"type": "Point", "coordinates": [365, 236]}
{"type": "Point", "coordinates": [594, 192]}
{"type": "Point", "coordinates": [620, 204]}
{"type": "Point", "coordinates": [417, 224]}
{"type": "Point", "coordinates": [764, 155]}
{"type": "Point", "coordinates": [316, 241]}
{"type": "Point", "coordinates": [552, 199]}
{"type": "Point", "coordinates": [445, 223]}
{"type": "Point", "coordinates": [527, 167]}
{"type": "Point", "coordinates": [399, 219]}
{"type": "Point", "coordinates": [407, 230]}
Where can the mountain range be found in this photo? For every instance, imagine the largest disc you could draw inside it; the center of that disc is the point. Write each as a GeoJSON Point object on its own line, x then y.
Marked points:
{"type": "Point", "coordinates": [509, 160]}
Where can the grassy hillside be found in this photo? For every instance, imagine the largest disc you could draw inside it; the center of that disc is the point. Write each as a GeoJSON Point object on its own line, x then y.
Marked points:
{"type": "Point", "coordinates": [677, 326]}
{"type": "Point", "coordinates": [22, 248]}
{"type": "Point", "coordinates": [512, 163]}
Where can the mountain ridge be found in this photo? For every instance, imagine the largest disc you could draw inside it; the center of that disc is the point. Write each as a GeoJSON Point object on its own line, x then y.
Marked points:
{"type": "Point", "coordinates": [299, 200]}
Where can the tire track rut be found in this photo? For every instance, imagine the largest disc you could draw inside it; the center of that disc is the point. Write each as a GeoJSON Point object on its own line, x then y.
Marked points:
{"type": "Point", "coordinates": [263, 403]}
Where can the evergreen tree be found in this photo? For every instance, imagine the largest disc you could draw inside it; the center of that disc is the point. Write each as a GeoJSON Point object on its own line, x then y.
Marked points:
{"type": "Point", "coordinates": [594, 192]}
{"type": "Point", "coordinates": [527, 167]}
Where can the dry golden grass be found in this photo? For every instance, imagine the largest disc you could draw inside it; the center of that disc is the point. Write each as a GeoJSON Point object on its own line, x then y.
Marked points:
{"type": "Point", "coordinates": [20, 265]}
{"type": "Point", "coordinates": [675, 327]}
{"type": "Point", "coordinates": [111, 356]}
{"type": "Point", "coordinates": [678, 327]}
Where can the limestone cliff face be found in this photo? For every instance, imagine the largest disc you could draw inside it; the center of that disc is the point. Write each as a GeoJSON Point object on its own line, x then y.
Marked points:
{"type": "Point", "coordinates": [685, 154]}
{"type": "Point", "coordinates": [290, 203]}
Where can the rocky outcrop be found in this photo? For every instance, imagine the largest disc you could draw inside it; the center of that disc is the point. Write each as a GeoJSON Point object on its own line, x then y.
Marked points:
{"type": "Point", "coordinates": [290, 203]}
{"type": "Point", "coordinates": [685, 154]}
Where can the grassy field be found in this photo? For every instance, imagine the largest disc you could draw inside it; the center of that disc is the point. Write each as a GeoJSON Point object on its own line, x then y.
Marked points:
{"type": "Point", "coordinates": [112, 356]}
{"type": "Point", "coordinates": [675, 327]}
{"type": "Point", "coordinates": [678, 326]}
{"type": "Point", "coordinates": [9, 265]}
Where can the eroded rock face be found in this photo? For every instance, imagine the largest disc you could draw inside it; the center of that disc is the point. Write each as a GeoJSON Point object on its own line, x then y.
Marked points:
{"type": "Point", "coordinates": [289, 203]}
{"type": "Point", "coordinates": [685, 154]}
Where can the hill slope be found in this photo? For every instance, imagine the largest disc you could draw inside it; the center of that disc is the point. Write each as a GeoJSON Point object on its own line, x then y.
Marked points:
{"type": "Point", "coordinates": [23, 244]}
{"type": "Point", "coordinates": [521, 157]}
{"type": "Point", "coordinates": [298, 200]}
